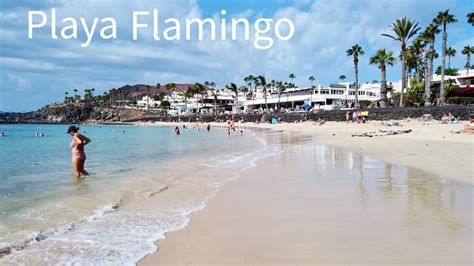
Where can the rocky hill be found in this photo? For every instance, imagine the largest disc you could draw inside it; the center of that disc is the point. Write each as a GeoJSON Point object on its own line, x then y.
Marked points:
{"type": "Point", "coordinates": [139, 90]}
{"type": "Point", "coordinates": [91, 112]}
{"type": "Point", "coordinates": [75, 113]}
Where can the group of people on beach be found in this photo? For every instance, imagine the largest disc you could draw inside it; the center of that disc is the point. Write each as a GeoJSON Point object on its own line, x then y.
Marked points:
{"type": "Point", "coordinates": [177, 132]}
{"type": "Point", "coordinates": [229, 128]}
{"type": "Point", "coordinates": [448, 119]}
{"type": "Point", "coordinates": [357, 117]}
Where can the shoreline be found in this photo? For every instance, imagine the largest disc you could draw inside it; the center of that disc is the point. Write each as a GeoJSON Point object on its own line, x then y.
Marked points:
{"type": "Point", "coordinates": [432, 147]}
{"type": "Point", "coordinates": [269, 225]}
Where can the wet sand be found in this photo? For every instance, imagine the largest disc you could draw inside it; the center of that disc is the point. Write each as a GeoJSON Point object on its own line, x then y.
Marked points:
{"type": "Point", "coordinates": [432, 147]}
{"type": "Point", "coordinates": [317, 204]}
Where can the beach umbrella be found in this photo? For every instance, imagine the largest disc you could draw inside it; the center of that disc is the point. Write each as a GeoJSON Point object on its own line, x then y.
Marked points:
{"type": "Point", "coordinates": [306, 106]}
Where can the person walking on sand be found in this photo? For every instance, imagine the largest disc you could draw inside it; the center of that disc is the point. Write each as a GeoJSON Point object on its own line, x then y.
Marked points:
{"type": "Point", "coordinates": [347, 117]}
{"type": "Point", "coordinates": [78, 155]}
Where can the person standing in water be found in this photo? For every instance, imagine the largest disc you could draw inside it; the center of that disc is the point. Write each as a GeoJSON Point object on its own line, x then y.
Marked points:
{"type": "Point", "coordinates": [176, 130]}
{"type": "Point", "coordinates": [78, 155]}
{"type": "Point", "coordinates": [208, 127]}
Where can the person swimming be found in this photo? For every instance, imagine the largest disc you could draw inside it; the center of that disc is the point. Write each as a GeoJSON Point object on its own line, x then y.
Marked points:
{"type": "Point", "coordinates": [78, 155]}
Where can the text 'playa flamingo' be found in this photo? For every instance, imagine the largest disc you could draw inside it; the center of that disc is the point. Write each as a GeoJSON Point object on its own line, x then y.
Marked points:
{"type": "Point", "coordinates": [264, 29]}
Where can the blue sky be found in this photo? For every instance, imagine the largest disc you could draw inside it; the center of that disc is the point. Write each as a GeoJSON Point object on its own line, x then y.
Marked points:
{"type": "Point", "coordinates": [34, 72]}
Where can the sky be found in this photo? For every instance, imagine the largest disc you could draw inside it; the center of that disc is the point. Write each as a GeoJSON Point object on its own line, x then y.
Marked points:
{"type": "Point", "coordinates": [38, 71]}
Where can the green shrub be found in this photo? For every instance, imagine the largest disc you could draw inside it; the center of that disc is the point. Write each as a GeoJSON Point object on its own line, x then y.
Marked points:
{"type": "Point", "coordinates": [450, 88]}
{"type": "Point", "coordinates": [416, 94]}
{"type": "Point", "coordinates": [447, 71]}
{"type": "Point", "coordinates": [460, 100]}
{"type": "Point", "coordinates": [364, 103]}
{"type": "Point", "coordinates": [165, 104]}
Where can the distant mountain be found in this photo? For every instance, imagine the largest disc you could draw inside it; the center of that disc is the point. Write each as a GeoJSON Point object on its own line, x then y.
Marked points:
{"type": "Point", "coordinates": [139, 90]}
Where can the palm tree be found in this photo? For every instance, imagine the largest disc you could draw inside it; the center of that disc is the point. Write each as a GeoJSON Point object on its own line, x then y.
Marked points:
{"type": "Point", "coordinates": [65, 97]}
{"type": "Point", "coordinates": [470, 18]}
{"type": "Point", "coordinates": [113, 93]}
{"type": "Point", "coordinates": [215, 96]}
{"type": "Point", "coordinates": [444, 18]}
{"type": "Point", "coordinates": [75, 93]}
{"type": "Point", "coordinates": [199, 89]}
{"type": "Point", "coordinates": [125, 96]}
{"type": "Point", "coordinates": [186, 95]}
{"type": "Point", "coordinates": [92, 93]}
{"type": "Point", "coordinates": [411, 58]}
{"type": "Point", "coordinates": [467, 51]}
{"type": "Point", "coordinates": [233, 88]}
{"type": "Point", "coordinates": [244, 90]}
{"type": "Point", "coordinates": [292, 77]}
{"type": "Point", "coordinates": [312, 79]}
{"type": "Point", "coordinates": [263, 83]}
{"type": "Point", "coordinates": [147, 88]}
{"type": "Point", "coordinates": [450, 52]}
{"type": "Point", "coordinates": [355, 51]}
{"type": "Point", "coordinates": [250, 79]}
{"type": "Point", "coordinates": [404, 29]}
{"type": "Point", "coordinates": [383, 58]}
{"type": "Point", "coordinates": [342, 77]}
{"type": "Point", "coordinates": [86, 94]}
{"type": "Point", "coordinates": [418, 48]}
{"type": "Point", "coordinates": [170, 87]}
{"type": "Point", "coordinates": [280, 89]}
{"type": "Point", "coordinates": [429, 36]}
{"type": "Point", "coordinates": [137, 89]}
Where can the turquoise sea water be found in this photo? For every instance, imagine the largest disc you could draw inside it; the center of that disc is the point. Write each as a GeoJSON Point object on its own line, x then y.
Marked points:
{"type": "Point", "coordinates": [144, 181]}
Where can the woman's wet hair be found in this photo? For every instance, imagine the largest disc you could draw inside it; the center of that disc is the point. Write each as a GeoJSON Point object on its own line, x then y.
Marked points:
{"type": "Point", "coordinates": [72, 129]}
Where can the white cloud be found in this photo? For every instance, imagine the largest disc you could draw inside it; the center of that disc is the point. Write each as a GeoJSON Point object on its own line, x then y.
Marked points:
{"type": "Point", "coordinates": [325, 29]}
{"type": "Point", "coordinates": [21, 82]}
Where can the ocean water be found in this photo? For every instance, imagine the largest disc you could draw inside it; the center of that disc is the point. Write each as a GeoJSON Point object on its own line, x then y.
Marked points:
{"type": "Point", "coordinates": [144, 182]}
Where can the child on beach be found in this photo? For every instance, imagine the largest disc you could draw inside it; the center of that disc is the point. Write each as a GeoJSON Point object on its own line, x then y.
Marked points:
{"type": "Point", "coordinates": [445, 119]}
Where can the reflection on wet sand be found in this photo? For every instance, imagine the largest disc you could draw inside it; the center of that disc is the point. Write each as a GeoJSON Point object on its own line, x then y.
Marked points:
{"type": "Point", "coordinates": [423, 198]}
{"type": "Point", "coordinates": [429, 195]}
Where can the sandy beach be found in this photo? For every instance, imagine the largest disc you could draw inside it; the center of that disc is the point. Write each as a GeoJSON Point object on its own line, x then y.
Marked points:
{"type": "Point", "coordinates": [417, 201]}
{"type": "Point", "coordinates": [432, 147]}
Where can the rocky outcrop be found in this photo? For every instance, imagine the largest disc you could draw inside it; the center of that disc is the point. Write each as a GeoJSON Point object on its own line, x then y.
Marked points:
{"type": "Point", "coordinates": [74, 113]}
{"type": "Point", "coordinates": [88, 113]}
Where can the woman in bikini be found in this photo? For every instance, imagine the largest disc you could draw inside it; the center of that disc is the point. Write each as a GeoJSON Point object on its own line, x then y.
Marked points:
{"type": "Point", "coordinates": [78, 155]}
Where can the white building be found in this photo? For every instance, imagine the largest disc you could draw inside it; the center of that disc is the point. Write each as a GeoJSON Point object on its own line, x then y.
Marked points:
{"type": "Point", "coordinates": [334, 96]}
{"type": "Point", "coordinates": [147, 101]}
{"type": "Point", "coordinates": [337, 95]}
{"type": "Point", "coordinates": [463, 79]}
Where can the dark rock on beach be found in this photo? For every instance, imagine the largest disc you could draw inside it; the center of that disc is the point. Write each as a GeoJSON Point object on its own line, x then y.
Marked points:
{"type": "Point", "coordinates": [75, 113]}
